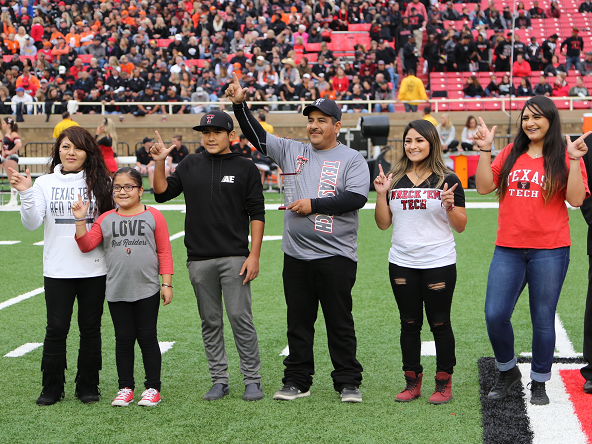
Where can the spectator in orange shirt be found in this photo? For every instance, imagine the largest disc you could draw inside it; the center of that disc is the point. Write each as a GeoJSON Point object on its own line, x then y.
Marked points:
{"type": "Point", "coordinates": [28, 82]}
{"type": "Point", "coordinates": [61, 49]}
{"type": "Point", "coordinates": [73, 38]}
{"type": "Point", "coordinates": [125, 65]}
{"type": "Point", "coordinates": [11, 44]}
{"type": "Point", "coordinates": [87, 36]}
{"type": "Point", "coordinates": [521, 68]}
{"type": "Point", "coordinates": [7, 26]}
{"type": "Point", "coordinates": [55, 35]}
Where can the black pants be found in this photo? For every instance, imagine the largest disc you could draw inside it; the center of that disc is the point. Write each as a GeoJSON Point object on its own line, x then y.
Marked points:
{"type": "Point", "coordinates": [59, 300]}
{"type": "Point", "coordinates": [433, 287]}
{"type": "Point", "coordinates": [137, 321]}
{"type": "Point", "coordinates": [587, 371]}
{"type": "Point", "coordinates": [328, 281]}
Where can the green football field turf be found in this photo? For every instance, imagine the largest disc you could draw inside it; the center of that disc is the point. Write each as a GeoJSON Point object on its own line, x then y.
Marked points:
{"type": "Point", "coordinates": [183, 417]}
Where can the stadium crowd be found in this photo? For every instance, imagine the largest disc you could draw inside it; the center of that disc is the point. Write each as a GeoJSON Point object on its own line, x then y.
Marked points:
{"type": "Point", "coordinates": [120, 53]}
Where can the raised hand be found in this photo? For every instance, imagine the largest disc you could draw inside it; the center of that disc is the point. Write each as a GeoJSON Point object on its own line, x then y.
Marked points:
{"type": "Point", "coordinates": [235, 92]}
{"type": "Point", "coordinates": [447, 196]}
{"type": "Point", "coordinates": [578, 147]}
{"type": "Point", "coordinates": [20, 182]}
{"type": "Point", "coordinates": [382, 183]}
{"type": "Point", "coordinates": [159, 151]}
{"type": "Point", "coordinates": [484, 137]}
{"type": "Point", "coordinates": [80, 208]}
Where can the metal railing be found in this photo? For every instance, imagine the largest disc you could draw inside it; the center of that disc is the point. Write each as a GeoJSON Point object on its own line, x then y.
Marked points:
{"type": "Point", "coordinates": [191, 145]}
{"type": "Point", "coordinates": [435, 102]}
{"type": "Point", "coordinates": [43, 149]}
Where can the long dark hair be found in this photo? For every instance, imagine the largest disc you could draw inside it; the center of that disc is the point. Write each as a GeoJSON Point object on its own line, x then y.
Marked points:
{"type": "Point", "coordinates": [553, 150]}
{"type": "Point", "coordinates": [13, 126]}
{"type": "Point", "coordinates": [98, 181]}
{"type": "Point", "coordinates": [433, 161]}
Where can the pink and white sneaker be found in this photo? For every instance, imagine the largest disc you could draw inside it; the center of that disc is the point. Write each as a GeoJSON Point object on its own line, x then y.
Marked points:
{"type": "Point", "coordinates": [150, 397]}
{"type": "Point", "coordinates": [124, 397]}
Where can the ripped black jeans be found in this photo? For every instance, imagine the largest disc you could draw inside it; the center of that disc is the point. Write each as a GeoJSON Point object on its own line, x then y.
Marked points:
{"type": "Point", "coordinates": [433, 287]}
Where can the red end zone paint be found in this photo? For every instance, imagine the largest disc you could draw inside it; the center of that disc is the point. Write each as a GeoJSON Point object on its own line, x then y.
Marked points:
{"type": "Point", "coordinates": [574, 382]}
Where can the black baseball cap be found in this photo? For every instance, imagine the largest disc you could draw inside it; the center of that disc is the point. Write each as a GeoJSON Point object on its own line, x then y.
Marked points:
{"type": "Point", "coordinates": [326, 106]}
{"type": "Point", "coordinates": [215, 119]}
{"type": "Point", "coordinates": [147, 139]}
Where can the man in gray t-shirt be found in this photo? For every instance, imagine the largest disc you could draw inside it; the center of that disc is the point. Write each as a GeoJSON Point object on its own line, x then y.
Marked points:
{"type": "Point", "coordinates": [326, 184]}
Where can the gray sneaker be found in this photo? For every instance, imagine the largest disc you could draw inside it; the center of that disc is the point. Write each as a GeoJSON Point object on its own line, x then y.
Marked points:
{"type": "Point", "coordinates": [217, 391]}
{"type": "Point", "coordinates": [253, 392]}
{"type": "Point", "coordinates": [351, 394]}
{"type": "Point", "coordinates": [289, 392]}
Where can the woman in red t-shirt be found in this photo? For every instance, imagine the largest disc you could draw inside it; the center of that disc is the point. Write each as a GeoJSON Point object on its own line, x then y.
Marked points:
{"type": "Point", "coordinates": [533, 178]}
{"type": "Point", "coordinates": [108, 143]}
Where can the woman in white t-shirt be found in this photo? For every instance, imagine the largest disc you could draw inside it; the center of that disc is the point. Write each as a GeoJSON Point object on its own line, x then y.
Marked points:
{"type": "Point", "coordinates": [423, 200]}
{"type": "Point", "coordinates": [468, 133]}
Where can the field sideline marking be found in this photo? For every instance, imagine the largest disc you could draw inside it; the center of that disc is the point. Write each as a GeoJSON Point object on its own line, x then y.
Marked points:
{"type": "Point", "coordinates": [165, 346]}
{"type": "Point", "coordinates": [563, 345]}
{"type": "Point", "coordinates": [177, 235]}
{"type": "Point", "coordinates": [23, 349]}
{"type": "Point", "coordinates": [557, 421]}
{"type": "Point", "coordinates": [9, 242]}
{"type": "Point", "coordinates": [22, 297]}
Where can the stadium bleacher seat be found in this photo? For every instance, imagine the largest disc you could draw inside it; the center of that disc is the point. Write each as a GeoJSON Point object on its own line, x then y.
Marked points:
{"type": "Point", "coordinates": [163, 43]}
{"type": "Point", "coordinates": [85, 57]}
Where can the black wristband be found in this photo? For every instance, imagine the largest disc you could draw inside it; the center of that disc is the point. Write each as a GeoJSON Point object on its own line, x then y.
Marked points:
{"type": "Point", "coordinates": [484, 151]}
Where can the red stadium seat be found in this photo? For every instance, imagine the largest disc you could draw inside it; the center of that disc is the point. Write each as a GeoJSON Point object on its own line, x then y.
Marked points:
{"type": "Point", "coordinates": [163, 43]}
{"type": "Point", "coordinates": [359, 26]}
{"type": "Point", "coordinates": [562, 104]}
{"type": "Point", "coordinates": [457, 106]}
{"type": "Point", "coordinates": [582, 105]}
{"type": "Point", "coordinates": [475, 106]}
{"type": "Point", "coordinates": [443, 107]}
{"type": "Point", "coordinates": [312, 57]}
{"type": "Point", "coordinates": [313, 47]}
{"type": "Point", "coordinates": [85, 57]}
{"type": "Point", "coordinates": [191, 62]}
{"type": "Point", "coordinates": [492, 106]}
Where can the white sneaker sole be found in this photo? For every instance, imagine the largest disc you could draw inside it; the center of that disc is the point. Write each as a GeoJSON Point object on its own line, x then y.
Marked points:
{"type": "Point", "coordinates": [146, 403]}
{"type": "Point", "coordinates": [120, 403]}
{"type": "Point", "coordinates": [282, 397]}
{"type": "Point", "coordinates": [351, 399]}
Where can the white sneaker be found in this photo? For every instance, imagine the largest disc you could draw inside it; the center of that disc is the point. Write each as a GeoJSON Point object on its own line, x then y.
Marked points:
{"type": "Point", "coordinates": [124, 397]}
{"type": "Point", "coordinates": [150, 397]}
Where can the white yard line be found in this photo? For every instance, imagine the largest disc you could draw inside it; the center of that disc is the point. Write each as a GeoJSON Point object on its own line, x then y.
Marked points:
{"type": "Point", "coordinates": [285, 351]}
{"type": "Point", "coordinates": [23, 349]}
{"type": "Point", "coordinates": [9, 242]}
{"type": "Point", "coordinates": [22, 297]}
{"type": "Point", "coordinates": [40, 243]}
{"type": "Point", "coordinates": [428, 348]}
{"type": "Point", "coordinates": [557, 421]}
{"type": "Point", "coordinates": [177, 235]}
{"type": "Point", "coordinates": [165, 346]}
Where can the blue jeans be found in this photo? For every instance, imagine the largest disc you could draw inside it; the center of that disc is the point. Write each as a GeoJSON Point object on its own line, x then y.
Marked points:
{"type": "Point", "coordinates": [410, 108]}
{"type": "Point", "coordinates": [394, 76]}
{"type": "Point", "coordinates": [575, 61]}
{"type": "Point", "coordinates": [378, 107]}
{"type": "Point", "coordinates": [511, 269]}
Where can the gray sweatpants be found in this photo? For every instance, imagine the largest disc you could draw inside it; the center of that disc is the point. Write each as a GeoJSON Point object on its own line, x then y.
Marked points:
{"type": "Point", "coordinates": [213, 280]}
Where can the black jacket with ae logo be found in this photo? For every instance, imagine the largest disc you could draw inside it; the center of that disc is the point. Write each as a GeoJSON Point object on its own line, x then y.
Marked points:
{"type": "Point", "coordinates": [223, 193]}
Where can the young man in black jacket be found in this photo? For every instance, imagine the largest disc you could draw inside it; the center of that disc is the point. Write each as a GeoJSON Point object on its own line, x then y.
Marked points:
{"type": "Point", "coordinates": [223, 193]}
